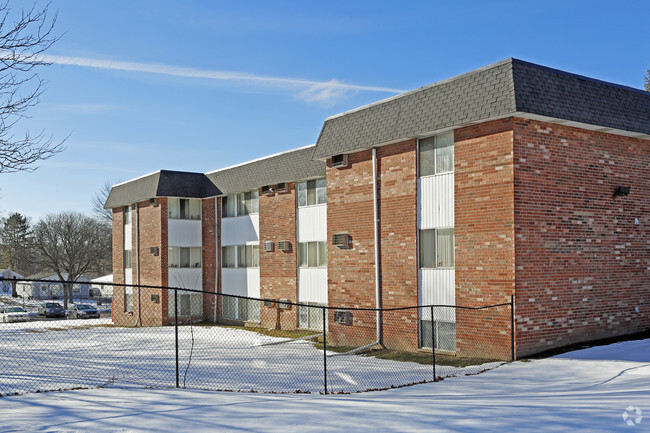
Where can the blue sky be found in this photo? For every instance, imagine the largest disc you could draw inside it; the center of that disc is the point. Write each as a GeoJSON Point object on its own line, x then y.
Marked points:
{"type": "Point", "coordinates": [199, 85]}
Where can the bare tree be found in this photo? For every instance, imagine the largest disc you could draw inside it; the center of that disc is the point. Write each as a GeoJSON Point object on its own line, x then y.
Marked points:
{"type": "Point", "coordinates": [24, 37]}
{"type": "Point", "coordinates": [99, 200]}
{"type": "Point", "coordinates": [71, 244]}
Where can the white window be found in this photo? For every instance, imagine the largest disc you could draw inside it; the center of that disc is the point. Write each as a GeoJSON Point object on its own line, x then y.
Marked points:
{"type": "Point", "coordinates": [128, 299]}
{"type": "Point", "coordinates": [184, 257]}
{"type": "Point", "coordinates": [244, 203]}
{"type": "Point", "coordinates": [229, 256]}
{"type": "Point", "coordinates": [248, 256]}
{"type": "Point", "coordinates": [310, 317]}
{"type": "Point", "coordinates": [437, 248]}
{"type": "Point", "coordinates": [437, 154]}
{"type": "Point", "coordinates": [189, 304]}
{"type": "Point", "coordinates": [241, 309]}
{"type": "Point", "coordinates": [128, 258]}
{"type": "Point", "coordinates": [312, 254]}
{"type": "Point", "coordinates": [184, 208]}
{"type": "Point", "coordinates": [312, 192]}
{"type": "Point", "coordinates": [444, 333]}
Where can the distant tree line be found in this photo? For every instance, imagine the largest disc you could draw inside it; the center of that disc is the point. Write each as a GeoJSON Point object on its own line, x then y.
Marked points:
{"type": "Point", "coordinates": [68, 244]}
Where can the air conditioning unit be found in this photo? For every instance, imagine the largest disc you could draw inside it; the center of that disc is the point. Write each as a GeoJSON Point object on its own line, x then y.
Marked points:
{"type": "Point", "coordinates": [284, 246]}
{"type": "Point", "coordinates": [341, 240]}
{"type": "Point", "coordinates": [281, 187]}
{"type": "Point", "coordinates": [270, 303]}
{"type": "Point", "coordinates": [343, 317]}
{"type": "Point", "coordinates": [268, 246]}
{"type": "Point", "coordinates": [284, 304]}
{"type": "Point", "coordinates": [267, 189]}
{"type": "Point", "coordinates": [340, 160]}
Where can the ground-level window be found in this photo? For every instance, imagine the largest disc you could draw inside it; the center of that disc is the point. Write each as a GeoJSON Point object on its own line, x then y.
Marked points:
{"type": "Point", "coordinates": [184, 257]}
{"type": "Point", "coordinates": [243, 309]}
{"type": "Point", "coordinates": [189, 304]}
{"type": "Point", "coordinates": [310, 317]}
{"type": "Point", "coordinates": [128, 299]}
{"type": "Point", "coordinates": [128, 258]}
{"type": "Point", "coordinates": [445, 335]}
{"type": "Point", "coordinates": [312, 254]}
{"type": "Point", "coordinates": [437, 248]}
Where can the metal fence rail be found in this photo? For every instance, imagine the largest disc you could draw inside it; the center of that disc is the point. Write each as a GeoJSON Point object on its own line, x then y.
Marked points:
{"type": "Point", "coordinates": [169, 337]}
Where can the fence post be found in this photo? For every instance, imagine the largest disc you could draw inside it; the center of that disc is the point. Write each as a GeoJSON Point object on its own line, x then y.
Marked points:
{"type": "Point", "coordinates": [176, 331]}
{"type": "Point", "coordinates": [512, 327]}
{"type": "Point", "coordinates": [324, 347]}
{"type": "Point", "coordinates": [433, 344]}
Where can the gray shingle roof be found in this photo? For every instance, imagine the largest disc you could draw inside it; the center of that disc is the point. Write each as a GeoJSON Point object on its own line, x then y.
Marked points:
{"type": "Point", "coordinates": [284, 167]}
{"type": "Point", "coordinates": [164, 183]}
{"type": "Point", "coordinates": [498, 90]}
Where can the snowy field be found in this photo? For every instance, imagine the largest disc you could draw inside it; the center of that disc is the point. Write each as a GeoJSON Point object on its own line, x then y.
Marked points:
{"type": "Point", "coordinates": [70, 354]}
{"type": "Point", "coordinates": [600, 389]}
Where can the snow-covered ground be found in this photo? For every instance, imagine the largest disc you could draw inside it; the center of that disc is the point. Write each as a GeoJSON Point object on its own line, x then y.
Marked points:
{"type": "Point", "coordinates": [73, 353]}
{"type": "Point", "coordinates": [588, 390]}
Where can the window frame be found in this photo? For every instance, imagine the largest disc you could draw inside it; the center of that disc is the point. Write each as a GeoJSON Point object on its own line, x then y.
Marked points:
{"type": "Point", "coordinates": [245, 203]}
{"type": "Point", "coordinates": [175, 257]}
{"type": "Point", "coordinates": [303, 253]}
{"type": "Point", "coordinates": [179, 208]}
{"type": "Point", "coordinates": [435, 152]}
{"type": "Point", "coordinates": [314, 192]}
{"type": "Point", "coordinates": [435, 256]}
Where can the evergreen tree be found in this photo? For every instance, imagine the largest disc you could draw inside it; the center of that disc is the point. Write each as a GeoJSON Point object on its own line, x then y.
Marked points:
{"type": "Point", "coordinates": [16, 243]}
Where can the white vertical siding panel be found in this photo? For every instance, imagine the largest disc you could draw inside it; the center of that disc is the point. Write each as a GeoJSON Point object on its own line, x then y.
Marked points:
{"type": "Point", "coordinates": [240, 230]}
{"type": "Point", "coordinates": [128, 237]}
{"type": "Point", "coordinates": [312, 285]}
{"type": "Point", "coordinates": [186, 278]}
{"type": "Point", "coordinates": [436, 201]}
{"type": "Point", "coordinates": [438, 287]}
{"type": "Point", "coordinates": [241, 282]}
{"type": "Point", "coordinates": [184, 233]}
{"type": "Point", "coordinates": [312, 223]}
{"type": "Point", "coordinates": [128, 276]}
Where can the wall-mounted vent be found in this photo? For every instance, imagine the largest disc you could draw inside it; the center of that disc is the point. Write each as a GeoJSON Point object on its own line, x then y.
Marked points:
{"type": "Point", "coordinates": [268, 246]}
{"type": "Point", "coordinates": [270, 303]}
{"type": "Point", "coordinates": [340, 160]}
{"type": "Point", "coordinates": [343, 317]}
{"type": "Point", "coordinates": [341, 240]}
{"type": "Point", "coordinates": [154, 251]}
{"type": "Point", "coordinates": [281, 187]}
{"type": "Point", "coordinates": [284, 246]}
{"type": "Point", "coordinates": [267, 189]}
{"type": "Point", "coordinates": [153, 202]}
{"type": "Point", "coordinates": [284, 304]}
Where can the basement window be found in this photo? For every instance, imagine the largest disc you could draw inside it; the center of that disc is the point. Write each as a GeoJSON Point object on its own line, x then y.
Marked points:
{"type": "Point", "coordinates": [437, 154]}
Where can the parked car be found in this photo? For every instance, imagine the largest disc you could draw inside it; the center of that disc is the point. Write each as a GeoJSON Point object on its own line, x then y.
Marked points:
{"type": "Point", "coordinates": [13, 314]}
{"type": "Point", "coordinates": [51, 309]}
{"type": "Point", "coordinates": [82, 311]}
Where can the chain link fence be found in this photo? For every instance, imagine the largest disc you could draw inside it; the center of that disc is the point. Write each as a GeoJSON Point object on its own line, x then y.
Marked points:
{"type": "Point", "coordinates": [165, 337]}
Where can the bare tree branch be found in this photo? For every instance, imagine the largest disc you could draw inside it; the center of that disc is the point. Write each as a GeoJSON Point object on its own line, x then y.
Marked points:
{"type": "Point", "coordinates": [23, 38]}
{"type": "Point", "coordinates": [99, 200]}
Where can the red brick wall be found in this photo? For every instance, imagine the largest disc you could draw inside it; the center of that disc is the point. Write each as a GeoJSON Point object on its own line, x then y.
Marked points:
{"type": "Point", "coordinates": [484, 231]}
{"type": "Point", "coordinates": [351, 272]}
{"type": "Point", "coordinates": [152, 227]}
{"type": "Point", "coordinates": [278, 269]}
{"type": "Point", "coordinates": [583, 265]}
{"type": "Point", "coordinates": [209, 256]}
{"type": "Point", "coordinates": [118, 260]}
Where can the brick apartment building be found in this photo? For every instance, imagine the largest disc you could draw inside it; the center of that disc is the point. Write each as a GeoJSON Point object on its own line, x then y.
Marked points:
{"type": "Point", "coordinates": [514, 179]}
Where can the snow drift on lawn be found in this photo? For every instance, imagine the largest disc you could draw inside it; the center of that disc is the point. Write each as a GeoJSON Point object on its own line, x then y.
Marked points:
{"type": "Point", "coordinates": [91, 353]}
{"type": "Point", "coordinates": [585, 391]}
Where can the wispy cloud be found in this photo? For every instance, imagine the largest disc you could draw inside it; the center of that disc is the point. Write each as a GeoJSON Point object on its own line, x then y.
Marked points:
{"type": "Point", "coordinates": [326, 92]}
